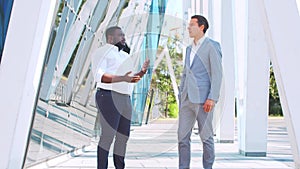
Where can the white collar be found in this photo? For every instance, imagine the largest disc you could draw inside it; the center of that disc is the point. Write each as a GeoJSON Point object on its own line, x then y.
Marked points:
{"type": "Point", "coordinates": [199, 42]}
{"type": "Point", "coordinates": [112, 47]}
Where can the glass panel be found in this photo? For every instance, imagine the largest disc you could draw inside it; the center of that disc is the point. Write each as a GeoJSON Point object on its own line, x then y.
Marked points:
{"type": "Point", "coordinates": [58, 129]}
{"type": "Point", "coordinates": [149, 48]}
{"type": "Point", "coordinates": [61, 126]}
{"type": "Point", "coordinates": [65, 122]}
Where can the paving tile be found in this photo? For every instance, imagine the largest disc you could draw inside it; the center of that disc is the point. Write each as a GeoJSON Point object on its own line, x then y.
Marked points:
{"type": "Point", "coordinates": [154, 146]}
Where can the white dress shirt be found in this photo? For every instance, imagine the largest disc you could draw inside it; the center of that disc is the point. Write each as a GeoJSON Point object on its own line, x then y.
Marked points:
{"type": "Point", "coordinates": [195, 48]}
{"type": "Point", "coordinates": [108, 59]}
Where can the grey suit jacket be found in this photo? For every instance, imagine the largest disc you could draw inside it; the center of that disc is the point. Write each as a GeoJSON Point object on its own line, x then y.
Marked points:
{"type": "Point", "coordinates": [202, 80]}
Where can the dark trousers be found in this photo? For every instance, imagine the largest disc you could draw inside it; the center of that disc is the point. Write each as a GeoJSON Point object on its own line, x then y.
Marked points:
{"type": "Point", "coordinates": [115, 117]}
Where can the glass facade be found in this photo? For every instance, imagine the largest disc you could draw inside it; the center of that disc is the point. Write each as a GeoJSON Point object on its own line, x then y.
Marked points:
{"type": "Point", "coordinates": [149, 48]}
{"type": "Point", "coordinates": [66, 114]}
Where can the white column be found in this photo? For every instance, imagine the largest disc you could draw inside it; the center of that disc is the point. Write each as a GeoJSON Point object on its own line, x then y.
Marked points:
{"type": "Point", "coordinates": [193, 7]}
{"type": "Point", "coordinates": [198, 6]}
{"type": "Point", "coordinates": [204, 10]}
{"type": "Point", "coordinates": [225, 123]}
{"type": "Point", "coordinates": [240, 42]}
{"type": "Point", "coordinates": [283, 41]}
{"type": "Point", "coordinates": [20, 71]}
{"type": "Point", "coordinates": [254, 84]}
{"type": "Point", "coordinates": [209, 13]}
{"type": "Point", "coordinates": [215, 19]}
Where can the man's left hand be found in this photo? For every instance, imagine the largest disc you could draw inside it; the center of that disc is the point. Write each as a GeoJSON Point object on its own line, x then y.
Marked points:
{"type": "Point", "coordinates": [208, 105]}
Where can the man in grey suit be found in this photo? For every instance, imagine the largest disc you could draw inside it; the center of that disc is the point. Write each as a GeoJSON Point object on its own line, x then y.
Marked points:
{"type": "Point", "coordinates": [199, 91]}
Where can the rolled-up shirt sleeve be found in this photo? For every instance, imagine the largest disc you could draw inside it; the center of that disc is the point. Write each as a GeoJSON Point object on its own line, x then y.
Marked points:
{"type": "Point", "coordinates": [100, 71]}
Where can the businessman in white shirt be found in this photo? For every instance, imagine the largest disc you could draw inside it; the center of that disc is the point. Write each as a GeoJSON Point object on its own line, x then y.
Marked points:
{"type": "Point", "coordinates": [112, 67]}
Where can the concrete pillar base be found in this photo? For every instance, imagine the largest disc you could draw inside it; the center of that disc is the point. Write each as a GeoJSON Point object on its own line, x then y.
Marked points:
{"type": "Point", "coordinates": [253, 154]}
{"type": "Point", "coordinates": [225, 141]}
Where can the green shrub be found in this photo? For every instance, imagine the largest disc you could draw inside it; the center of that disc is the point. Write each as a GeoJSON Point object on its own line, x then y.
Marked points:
{"type": "Point", "coordinates": [173, 110]}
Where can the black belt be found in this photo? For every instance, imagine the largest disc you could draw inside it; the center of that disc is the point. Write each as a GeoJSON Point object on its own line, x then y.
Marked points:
{"type": "Point", "coordinates": [109, 91]}
{"type": "Point", "coordinates": [105, 90]}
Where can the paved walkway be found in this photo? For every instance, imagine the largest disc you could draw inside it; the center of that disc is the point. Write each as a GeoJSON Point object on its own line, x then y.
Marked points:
{"type": "Point", "coordinates": [154, 146]}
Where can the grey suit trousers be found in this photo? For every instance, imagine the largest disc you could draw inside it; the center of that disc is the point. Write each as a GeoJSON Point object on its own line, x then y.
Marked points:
{"type": "Point", "coordinates": [188, 114]}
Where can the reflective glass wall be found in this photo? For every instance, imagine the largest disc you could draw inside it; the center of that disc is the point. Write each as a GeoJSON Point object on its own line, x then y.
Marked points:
{"type": "Point", "coordinates": [59, 129]}
{"type": "Point", "coordinates": [65, 117]}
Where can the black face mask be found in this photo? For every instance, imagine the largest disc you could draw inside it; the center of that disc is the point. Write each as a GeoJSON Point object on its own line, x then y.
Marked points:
{"type": "Point", "coordinates": [125, 48]}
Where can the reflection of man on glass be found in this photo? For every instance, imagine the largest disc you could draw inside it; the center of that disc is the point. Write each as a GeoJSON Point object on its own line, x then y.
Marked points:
{"type": "Point", "coordinates": [112, 69]}
{"type": "Point", "coordinates": [199, 90]}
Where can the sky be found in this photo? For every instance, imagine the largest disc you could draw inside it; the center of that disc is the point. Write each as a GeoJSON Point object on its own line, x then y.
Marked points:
{"type": "Point", "coordinates": [174, 7]}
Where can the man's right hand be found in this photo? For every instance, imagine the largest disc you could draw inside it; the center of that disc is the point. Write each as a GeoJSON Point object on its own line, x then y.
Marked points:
{"type": "Point", "coordinates": [131, 79]}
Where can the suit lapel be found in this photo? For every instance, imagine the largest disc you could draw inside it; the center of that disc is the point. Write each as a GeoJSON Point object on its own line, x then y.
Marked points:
{"type": "Point", "coordinates": [198, 53]}
{"type": "Point", "coordinates": [188, 56]}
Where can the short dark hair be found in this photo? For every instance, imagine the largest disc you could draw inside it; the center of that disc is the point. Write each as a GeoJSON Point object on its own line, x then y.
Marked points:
{"type": "Point", "coordinates": [111, 31]}
{"type": "Point", "coordinates": [201, 21]}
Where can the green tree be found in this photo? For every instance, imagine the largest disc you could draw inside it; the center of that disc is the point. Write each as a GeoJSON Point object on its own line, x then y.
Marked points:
{"type": "Point", "coordinates": [274, 100]}
{"type": "Point", "coordinates": [162, 79]}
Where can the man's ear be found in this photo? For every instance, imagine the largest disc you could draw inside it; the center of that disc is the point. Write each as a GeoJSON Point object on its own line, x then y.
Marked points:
{"type": "Point", "coordinates": [201, 27]}
{"type": "Point", "coordinates": [109, 39]}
